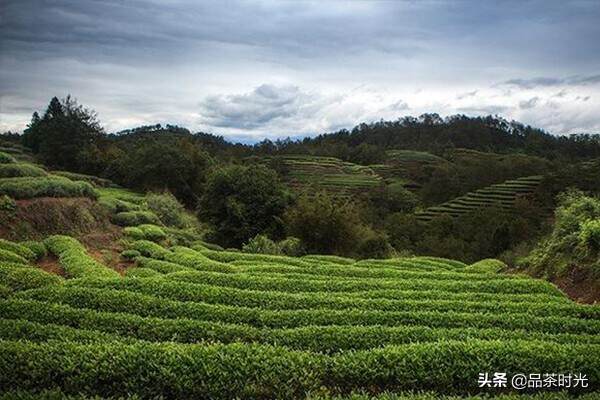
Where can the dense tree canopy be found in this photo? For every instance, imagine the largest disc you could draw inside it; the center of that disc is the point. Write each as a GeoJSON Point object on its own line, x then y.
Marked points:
{"type": "Point", "coordinates": [241, 202]}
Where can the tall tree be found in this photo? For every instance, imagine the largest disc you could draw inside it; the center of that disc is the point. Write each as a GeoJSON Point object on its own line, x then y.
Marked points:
{"type": "Point", "coordinates": [65, 135]}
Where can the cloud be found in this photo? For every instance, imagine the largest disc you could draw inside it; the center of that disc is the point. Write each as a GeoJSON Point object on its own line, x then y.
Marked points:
{"type": "Point", "coordinates": [531, 83]}
{"type": "Point", "coordinates": [493, 109]}
{"type": "Point", "coordinates": [466, 95]}
{"type": "Point", "coordinates": [264, 105]}
{"type": "Point", "coordinates": [256, 68]}
{"type": "Point", "coordinates": [527, 104]}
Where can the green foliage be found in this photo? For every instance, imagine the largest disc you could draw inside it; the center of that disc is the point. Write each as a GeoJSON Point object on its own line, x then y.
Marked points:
{"type": "Point", "coordinates": [51, 186]}
{"type": "Point", "coordinates": [74, 259]}
{"type": "Point", "coordinates": [66, 136]}
{"type": "Point", "coordinates": [135, 218]}
{"type": "Point", "coordinates": [130, 254]}
{"type": "Point", "coordinates": [489, 265]}
{"type": "Point", "coordinates": [261, 244]}
{"type": "Point", "coordinates": [94, 180]}
{"type": "Point", "coordinates": [133, 232]}
{"type": "Point", "coordinates": [6, 158]}
{"type": "Point", "coordinates": [589, 235]}
{"type": "Point", "coordinates": [21, 277]}
{"type": "Point", "coordinates": [170, 212]}
{"type": "Point", "coordinates": [574, 242]}
{"type": "Point", "coordinates": [230, 371]}
{"type": "Point", "coordinates": [325, 224]}
{"type": "Point", "coordinates": [7, 203]}
{"type": "Point", "coordinates": [150, 249]}
{"type": "Point", "coordinates": [9, 256]}
{"type": "Point", "coordinates": [19, 249]}
{"type": "Point", "coordinates": [241, 202]}
{"type": "Point", "coordinates": [20, 169]}
{"type": "Point", "coordinates": [179, 167]}
{"type": "Point", "coordinates": [145, 231]}
{"type": "Point", "coordinates": [291, 246]}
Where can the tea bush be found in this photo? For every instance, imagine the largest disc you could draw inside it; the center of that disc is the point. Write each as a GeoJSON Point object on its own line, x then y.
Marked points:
{"type": "Point", "coordinates": [50, 186]}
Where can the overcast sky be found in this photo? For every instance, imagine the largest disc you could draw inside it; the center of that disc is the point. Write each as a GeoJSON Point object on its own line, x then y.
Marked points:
{"type": "Point", "coordinates": [255, 69]}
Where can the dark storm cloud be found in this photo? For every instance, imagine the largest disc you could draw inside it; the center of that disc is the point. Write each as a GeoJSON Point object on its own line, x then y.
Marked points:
{"type": "Point", "coordinates": [145, 61]}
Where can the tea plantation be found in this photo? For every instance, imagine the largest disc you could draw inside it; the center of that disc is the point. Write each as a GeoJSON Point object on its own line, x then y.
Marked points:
{"type": "Point", "coordinates": [502, 195]}
{"type": "Point", "coordinates": [193, 322]}
{"type": "Point", "coordinates": [186, 319]}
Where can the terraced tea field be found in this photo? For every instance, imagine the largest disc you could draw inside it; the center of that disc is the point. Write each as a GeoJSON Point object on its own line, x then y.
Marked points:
{"type": "Point", "coordinates": [193, 322]}
{"type": "Point", "coordinates": [501, 195]}
{"type": "Point", "coordinates": [328, 173]}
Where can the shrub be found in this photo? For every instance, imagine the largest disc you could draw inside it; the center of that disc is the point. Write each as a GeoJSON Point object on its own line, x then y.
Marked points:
{"type": "Point", "coordinates": [20, 277]}
{"type": "Point", "coordinates": [74, 259]}
{"type": "Point", "coordinates": [152, 232]}
{"type": "Point", "coordinates": [9, 256]}
{"type": "Point", "coordinates": [130, 254]}
{"type": "Point", "coordinates": [140, 272]}
{"type": "Point", "coordinates": [489, 265]}
{"type": "Point", "coordinates": [589, 234]}
{"type": "Point", "coordinates": [6, 158]}
{"type": "Point", "coordinates": [262, 245]}
{"type": "Point", "coordinates": [21, 250]}
{"type": "Point", "coordinates": [325, 225]}
{"type": "Point", "coordinates": [20, 170]}
{"type": "Point", "coordinates": [134, 232]}
{"type": "Point", "coordinates": [50, 186]}
{"type": "Point", "coordinates": [150, 249]}
{"type": "Point", "coordinates": [292, 247]}
{"type": "Point", "coordinates": [37, 248]}
{"type": "Point", "coordinates": [241, 202]}
{"type": "Point", "coordinates": [94, 180]}
{"type": "Point", "coordinates": [7, 203]}
{"type": "Point", "coordinates": [134, 218]}
{"type": "Point", "coordinates": [169, 210]}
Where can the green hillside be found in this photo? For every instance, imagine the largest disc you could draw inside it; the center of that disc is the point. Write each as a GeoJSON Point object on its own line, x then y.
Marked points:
{"type": "Point", "coordinates": [502, 195]}
{"type": "Point", "coordinates": [327, 173]}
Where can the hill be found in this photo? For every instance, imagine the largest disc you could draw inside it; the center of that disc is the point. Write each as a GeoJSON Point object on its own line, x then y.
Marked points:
{"type": "Point", "coordinates": [503, 195]}
{"type": "Point", "coordinates": [110, 292]}
{"type": "Point", "coordinates": [303, 173]}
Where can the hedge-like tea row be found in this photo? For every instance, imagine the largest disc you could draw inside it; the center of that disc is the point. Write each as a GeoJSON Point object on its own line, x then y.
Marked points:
{"type": "Point", "coordinates": [57, 394]}
{"type": "Point", "coordinates": [145, 232]}
{"type": "Point", "coordinates": [13, 170]}
{"type": "Point", "coordinates": [195, 260]}
{"type": "Point", "coordinates": [328, 339]}
{"type": "Point", "coordinates": [94, 180]}
{"type": "Point", "coordinates": [135, 218]}
{"type": "Point", "coordinates": [22, 277]}
{"type": "Point", "coordinates": [259, 371]}
{"type": "Point", "coordinates": [6, 158]}
{"type": "Point", "coordinates": [150, 249]}
{"type": "Point", "coordinates": [20, 329]}
{"type": "Point", "coordinates": [182, 291]}
{"type": "Point", "coordinates": [74, 259]}
{"type": "Point", "coordinates": [10, 257]}
{"type": "Point", "coordinates": [287, 284]}
{"type": "Point", "coordinates": [19, 249]}
{"type": "Point", "coordinates": [49, 186]}
{"type": "Point", "coordinates": [144, 305]}
{"type": "Point", "coordinates": [333, 271]}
